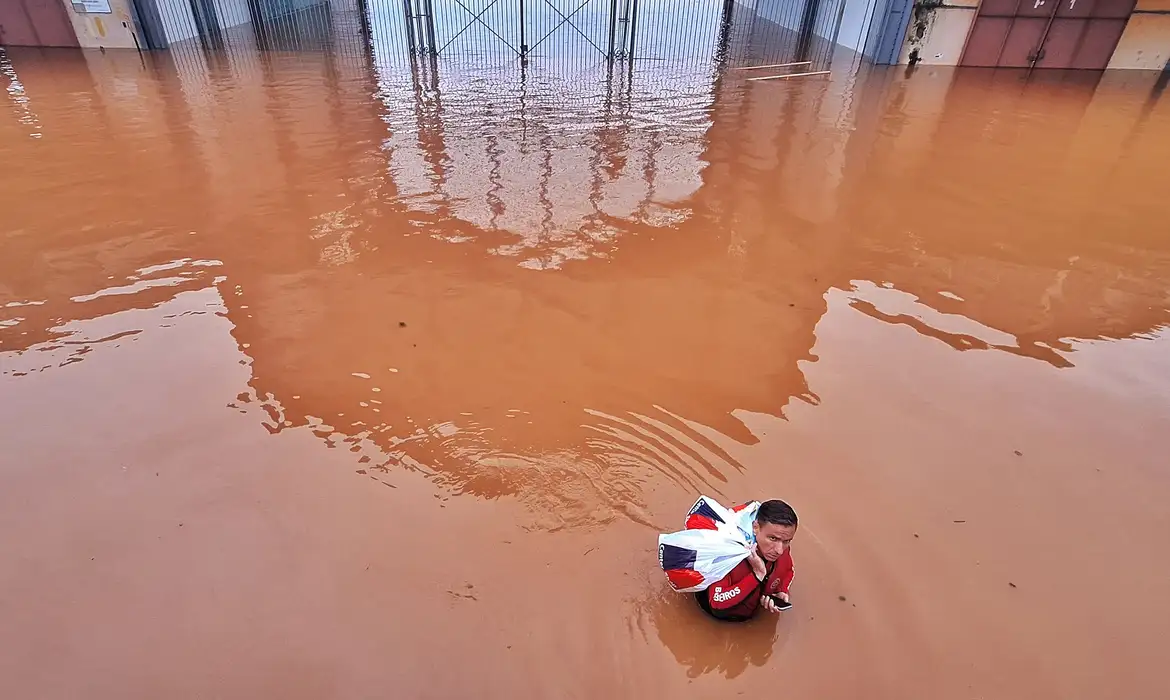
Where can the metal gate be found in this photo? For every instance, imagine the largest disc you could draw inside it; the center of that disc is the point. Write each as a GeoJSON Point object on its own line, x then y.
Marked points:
{"type": "Point", "coordinates": [1046, 33]}
{"type": "Point", "coordinates": [601, 29]}
{"type": "Point", "coordinates": [473, 29]}
{"type": "Point", "coordinates": [565, 34]}
{"type": "Point", "coordinates": [506, 28]}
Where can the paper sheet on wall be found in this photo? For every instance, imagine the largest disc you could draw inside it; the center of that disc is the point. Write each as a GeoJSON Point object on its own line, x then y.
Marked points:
{"type": "Point", "coordinates": [91, 7]}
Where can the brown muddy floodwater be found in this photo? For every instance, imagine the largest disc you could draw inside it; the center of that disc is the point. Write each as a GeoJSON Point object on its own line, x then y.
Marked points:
{"type": "Point", "coordinates": [319, 382]}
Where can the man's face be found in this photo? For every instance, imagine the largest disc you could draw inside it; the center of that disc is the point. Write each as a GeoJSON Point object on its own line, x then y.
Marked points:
{"type": "Point", "coordinates": [772, 539]}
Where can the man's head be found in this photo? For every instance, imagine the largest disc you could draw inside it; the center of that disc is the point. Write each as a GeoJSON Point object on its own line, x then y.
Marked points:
{"type": "Point", "coordinates": [775, 527]}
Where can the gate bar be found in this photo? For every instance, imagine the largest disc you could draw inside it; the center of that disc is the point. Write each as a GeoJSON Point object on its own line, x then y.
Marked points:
{"type": "Point", "coordinates": [409, 14]}
{"type": "Point", "coordinates": [791, 75]}
{"type": "Point", "coordinates": [776, 65]}
{"type": "Point", "coordinates": [612, 25]}
{"type": "Point", "coordinates": [523, 39]}
{"type": "Point", "coordinates": [431, 28]}
{"type": "Point", "coordinates": [364, 19]}
{"type": "Point", "coordinates": [633, 32]}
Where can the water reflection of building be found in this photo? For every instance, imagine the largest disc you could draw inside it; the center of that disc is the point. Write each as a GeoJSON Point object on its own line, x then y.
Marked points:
{"type": "Point", "coordinates": [546, 166]}
{"type": "Point", "coordinates": [449, 141]}
{"type": "Point", "coordinates": [1076, 258]}
{"type": "Point", "coordinates": [338, 218]}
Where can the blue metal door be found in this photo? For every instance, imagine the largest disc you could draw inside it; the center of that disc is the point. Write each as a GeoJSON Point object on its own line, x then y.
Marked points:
{"type": "Point", "coordinates": [893, 31]}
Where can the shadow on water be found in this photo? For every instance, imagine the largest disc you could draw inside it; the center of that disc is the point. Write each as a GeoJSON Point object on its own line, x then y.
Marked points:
{"type": "Point", "coordinates": [702, 645]}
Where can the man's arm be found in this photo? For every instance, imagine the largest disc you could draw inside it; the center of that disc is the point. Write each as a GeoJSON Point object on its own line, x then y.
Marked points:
{"type": "Point", "coordinates": [733, 588]}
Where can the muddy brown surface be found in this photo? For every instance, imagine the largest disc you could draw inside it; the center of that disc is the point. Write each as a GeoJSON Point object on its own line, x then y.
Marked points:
{"type": "Point", "coordinates": [318, 382]}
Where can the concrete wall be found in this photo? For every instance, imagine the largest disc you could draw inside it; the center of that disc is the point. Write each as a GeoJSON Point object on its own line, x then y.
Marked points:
{"type": "Point", "coordinates": [936, 36]}
{"type": "Point", "coordinates": [1145, 44]}
{"type": "Point", "coordinates": [112, 31]}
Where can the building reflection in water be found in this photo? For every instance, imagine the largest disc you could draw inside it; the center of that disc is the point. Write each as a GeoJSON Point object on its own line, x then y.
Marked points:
{"type": "Point", "coordinates": [561, 284]}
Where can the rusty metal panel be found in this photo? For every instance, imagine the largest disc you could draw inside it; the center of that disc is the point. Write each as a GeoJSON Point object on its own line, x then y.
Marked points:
{"type": "Point", "coordinates": [35, 23]}
{"type": "Point", "coordinates": [1076, 8]}
{"type": "Point", "coordinates": [1099, 42]}
{"type": "Point", "coordinates": [15, 27]}
{"type": "Point", "coordinates": [1064, 39]}
{"type": "Point", "coordinates": [1114, 9]}
{"type": "Point", "coordinates": [50, 22]}
{"type": "Point", "coordinates": [986, 41]}
{"type": "Point", "coordinates": [1011, 33]}
{"type": "Point", "coordinates": [999, 8]}
{"type": "Point", "coordinates": [1038, 8]}
{"type": "Point", "coordinates": [1022, 42]}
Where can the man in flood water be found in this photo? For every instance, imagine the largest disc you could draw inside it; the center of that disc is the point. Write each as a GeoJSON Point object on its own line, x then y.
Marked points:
{"type": "Point", "coordinates": [764, 577]}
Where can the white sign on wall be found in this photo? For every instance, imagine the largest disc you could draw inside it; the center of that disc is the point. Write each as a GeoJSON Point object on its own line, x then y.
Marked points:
{"type": "Point", "coordinates": [91, 7]}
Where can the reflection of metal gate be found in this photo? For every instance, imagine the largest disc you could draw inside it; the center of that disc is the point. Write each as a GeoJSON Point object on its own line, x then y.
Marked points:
{"type": "Point", "coordinates": [1046, 33]}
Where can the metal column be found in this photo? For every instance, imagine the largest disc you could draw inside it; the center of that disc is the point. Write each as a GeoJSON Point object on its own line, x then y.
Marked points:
{"type": "Point", "coordinates": [207, 22]}
{"type": "Point", "coordinates": [408, 13]}
{"type": "Point", "coordinates": [433, 48]}
{"type": "Point", "coordinates": [633, 34]}
{"type": "Point", "coordinates": [808, 22]}
{"type": "Point", "coordinates": [523, 36]}
{"type": "Point", "coordinates": [612, 26]}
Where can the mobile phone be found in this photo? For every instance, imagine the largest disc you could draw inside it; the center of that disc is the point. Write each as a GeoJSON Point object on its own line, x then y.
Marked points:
{"type": "Point", "coordinates": [781, 605]}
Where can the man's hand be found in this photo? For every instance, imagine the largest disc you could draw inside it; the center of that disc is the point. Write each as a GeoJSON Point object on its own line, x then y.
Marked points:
{"type": "Point", "coordinates": [757, 564]}
{"type": "Point", "coordinates": [770, 604]}
{"type": "Point", "coordinates": [782, 596]}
